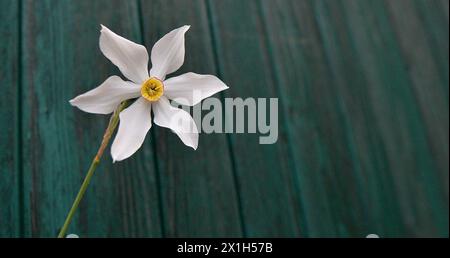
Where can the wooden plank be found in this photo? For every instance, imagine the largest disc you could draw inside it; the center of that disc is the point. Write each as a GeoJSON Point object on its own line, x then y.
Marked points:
{"type": "Point", "coordinates": [269, 193]}
{"type": "Point", "coordinates": [365, 54]}
{"type": "Point", "coordinates": [197, 187]}
{"type": "Point", "coordinates": [431, 15]}
{"type": "Point", "coordinates": [429, 85]}
{"type": "Point", "coordinates": [343, 79]}
{"type": "Point", "coordinates": [364, 150]}
{"type": "Point", "coordinates": [63, 60]}
{"type": "Point", "coordinates": [445, 8]}
{"type": "Point", "coordinates": [321, 133]}
{"type": "Point", "coordinates": [10, 166]}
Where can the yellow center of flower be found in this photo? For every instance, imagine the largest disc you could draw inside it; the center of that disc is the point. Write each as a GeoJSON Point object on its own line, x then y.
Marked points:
{"type": "Point", "coordinates": [152, 89]}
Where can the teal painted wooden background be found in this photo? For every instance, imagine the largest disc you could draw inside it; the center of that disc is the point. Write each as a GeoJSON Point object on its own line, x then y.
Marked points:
{"type": "Point", "coordinates": [363, 147]}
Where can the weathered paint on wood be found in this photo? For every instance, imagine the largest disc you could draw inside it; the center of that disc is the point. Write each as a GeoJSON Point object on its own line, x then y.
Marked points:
{"type": "Point", "coordinates": [363, 120]}
{"type": "Point", "coordinates": [10, 147]}
{"type": "Point", "coordinates": [197, 188]}
{"type": "Point", "coordinates": [61, 60]}
{"type": "Point", "coordinates": [268, 193]}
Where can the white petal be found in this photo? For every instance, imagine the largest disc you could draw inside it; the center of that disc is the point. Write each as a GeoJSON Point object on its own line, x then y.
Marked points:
{"type": "Point", "coordinates": [135, 121]}
{"type": "Point", "coordinates": [176, 119]}
{"type": "Point", "coordinates": [105, 98]}
{"type": "Point", "coordinates": [129, 57]}
{"type": "Point", "coordinates": [190, 88]}
{"type": "Point", "coordinates": [168, 53]}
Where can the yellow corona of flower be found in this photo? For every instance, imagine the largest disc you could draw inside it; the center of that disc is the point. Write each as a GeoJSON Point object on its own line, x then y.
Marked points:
{"type": "Point", "coordinates": [151, 90]}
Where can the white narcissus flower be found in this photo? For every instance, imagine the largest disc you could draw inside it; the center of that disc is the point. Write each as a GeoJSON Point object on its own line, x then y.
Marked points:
{"type": "Point", "coordinates": [151, 88]}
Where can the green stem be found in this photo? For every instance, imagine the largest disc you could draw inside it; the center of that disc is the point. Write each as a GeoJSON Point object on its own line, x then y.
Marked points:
{"type": "Point", "coordinates": [113, 122]}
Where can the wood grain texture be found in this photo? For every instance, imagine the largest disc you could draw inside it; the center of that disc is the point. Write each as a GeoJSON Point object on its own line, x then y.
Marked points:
{"type": "Point", "coordinates": [317, 126]}
{"type": "Point", "coordinates": [268, 190]}
{"type": "Point", "coordinates": [364, 152]}
{"type": "Point", "coordinates": [429, 84]}
{"type": "Point", "coordinates": [63, 60]}
{"type": "Point", "coordinates": [363, 120]}
{"type": "Point", "coordinates": [197, 187]}
{"type": "Point", "coordinates": [10, 148]}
